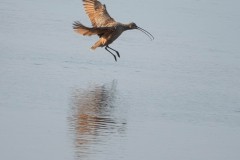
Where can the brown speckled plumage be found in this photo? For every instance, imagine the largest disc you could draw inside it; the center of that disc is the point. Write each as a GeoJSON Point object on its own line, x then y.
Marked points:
{"type": "Point", "coordinates": [103, 25]}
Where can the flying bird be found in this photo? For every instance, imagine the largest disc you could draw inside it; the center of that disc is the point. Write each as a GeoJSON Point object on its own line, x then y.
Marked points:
{"type": "Point", "coordinates": [104, 26]}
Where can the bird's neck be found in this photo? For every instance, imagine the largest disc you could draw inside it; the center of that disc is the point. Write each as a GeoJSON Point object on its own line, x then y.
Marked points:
{"type": "Point", "coordinates": [124, 26]}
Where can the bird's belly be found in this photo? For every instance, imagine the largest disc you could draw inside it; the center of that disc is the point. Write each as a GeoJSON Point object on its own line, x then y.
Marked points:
{"type": "Point", "coordinates": [111, 37]}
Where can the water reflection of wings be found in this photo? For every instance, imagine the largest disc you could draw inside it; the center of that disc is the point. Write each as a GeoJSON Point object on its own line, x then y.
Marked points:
{"type": "Point", "coordinates": [93, 118]}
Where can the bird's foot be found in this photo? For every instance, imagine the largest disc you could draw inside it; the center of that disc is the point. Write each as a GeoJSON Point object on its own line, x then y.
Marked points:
{"type": "Point", "coordinates": [115, 57]}
{"type": "Point", "coordinates": [118, 54]}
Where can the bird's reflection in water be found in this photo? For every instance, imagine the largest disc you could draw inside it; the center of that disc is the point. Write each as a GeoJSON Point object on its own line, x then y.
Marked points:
{"type": "Point", "coordinates": [95, 119]}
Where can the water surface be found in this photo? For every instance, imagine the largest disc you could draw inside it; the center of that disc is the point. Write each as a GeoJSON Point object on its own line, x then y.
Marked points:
{"type": "Point", "coordinates": [177, 97]}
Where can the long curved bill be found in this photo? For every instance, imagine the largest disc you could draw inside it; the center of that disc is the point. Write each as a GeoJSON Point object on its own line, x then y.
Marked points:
{"type": "Point", "coordinates": [146, 32]}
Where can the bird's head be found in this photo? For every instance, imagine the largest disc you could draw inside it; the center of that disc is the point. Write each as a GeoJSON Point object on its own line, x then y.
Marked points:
{"type": "Point", "coordinates": [134, 26]}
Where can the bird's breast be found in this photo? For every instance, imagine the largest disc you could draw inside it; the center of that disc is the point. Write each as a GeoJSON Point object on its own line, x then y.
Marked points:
{"type": "Point", "coordinates": [112, 36]}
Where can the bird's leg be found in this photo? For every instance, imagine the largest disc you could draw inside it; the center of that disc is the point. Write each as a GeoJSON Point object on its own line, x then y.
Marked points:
{"type": "Point", "coordinates": [111, 53]}
{"type": "Point", "coordinates": [115, 51]}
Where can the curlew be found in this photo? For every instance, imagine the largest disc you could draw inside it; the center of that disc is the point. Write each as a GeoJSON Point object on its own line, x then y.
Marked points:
{"type": "Point", "coordinates": [104, 26]}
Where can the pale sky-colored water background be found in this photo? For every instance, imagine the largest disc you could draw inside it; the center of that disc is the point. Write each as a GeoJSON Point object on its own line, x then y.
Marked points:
{"type": "Point", "coordinates": [177, 97]}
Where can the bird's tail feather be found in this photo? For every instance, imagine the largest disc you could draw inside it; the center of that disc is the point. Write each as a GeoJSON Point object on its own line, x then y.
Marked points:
{"type": "Point", "coordinates": [80, 28]}
{"type": "Point", "coordinates": [86, 31]}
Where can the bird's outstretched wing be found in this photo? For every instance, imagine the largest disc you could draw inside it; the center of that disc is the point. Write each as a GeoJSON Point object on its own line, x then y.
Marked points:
{"type": "Point", "coordinates": [97, 13]}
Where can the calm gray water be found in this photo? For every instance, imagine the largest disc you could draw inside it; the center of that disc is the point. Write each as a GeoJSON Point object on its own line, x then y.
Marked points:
{"type": "Point", "coordinates": [177, 97]}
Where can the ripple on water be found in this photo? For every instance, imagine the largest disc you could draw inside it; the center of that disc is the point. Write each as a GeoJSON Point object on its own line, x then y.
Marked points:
{"type": "Point", "coordinates": [94, 121]}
